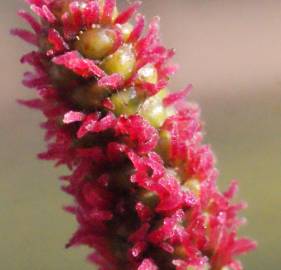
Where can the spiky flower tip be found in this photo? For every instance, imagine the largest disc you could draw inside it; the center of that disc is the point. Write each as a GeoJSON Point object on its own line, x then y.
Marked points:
{"type": "Point", "coordinates": [144, 185]}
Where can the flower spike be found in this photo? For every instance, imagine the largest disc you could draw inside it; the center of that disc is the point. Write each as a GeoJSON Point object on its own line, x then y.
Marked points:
{"type": "Point", "coordinates": [143, 183]}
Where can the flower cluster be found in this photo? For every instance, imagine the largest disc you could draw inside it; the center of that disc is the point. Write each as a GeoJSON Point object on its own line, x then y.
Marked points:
{"type": "Point", "coordinates": [143, 183]}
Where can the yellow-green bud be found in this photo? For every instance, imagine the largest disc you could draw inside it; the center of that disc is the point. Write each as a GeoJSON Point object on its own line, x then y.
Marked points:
{"type": "Point", "coordinates": [147, 73]}
{"type": "Point", "coordinates": [193, 185]}
{"type": "Point", "coordinates": [153, 111]}
{"type": "Point", "coordinates": [122, 62]}
{"type": "Point", "coordinates": [149, 198]}
{"type": "Point", "coordinates": [89, 96]}
{"type": "Point", "coordinates": [126, 30]}
{"type": "Point", "coordinates": [126, 102]}
{"type": "Point", "coordinates": [96, 43]}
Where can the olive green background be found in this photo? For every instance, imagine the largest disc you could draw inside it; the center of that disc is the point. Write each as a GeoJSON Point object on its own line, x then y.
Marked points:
{"type": "Point", "coordinates": [231, 52]}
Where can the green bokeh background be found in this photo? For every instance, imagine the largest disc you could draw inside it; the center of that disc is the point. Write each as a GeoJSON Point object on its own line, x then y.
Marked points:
{"type": "Point", "coordinates": [230, 51]}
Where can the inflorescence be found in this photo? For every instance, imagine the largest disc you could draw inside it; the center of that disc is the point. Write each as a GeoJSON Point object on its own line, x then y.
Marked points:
{"type": "Point", "coordinates": [143, 183]}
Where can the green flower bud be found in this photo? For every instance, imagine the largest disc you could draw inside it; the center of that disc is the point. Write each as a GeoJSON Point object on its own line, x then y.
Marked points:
{"type": "Point", "coordinates": [96, 43]}
{"type": "Point", "coordinates": [89, 96]}
{"type": "Point", "coordinates": [122, 62]}
{"type": "Point", "coordinates": [147, 73]}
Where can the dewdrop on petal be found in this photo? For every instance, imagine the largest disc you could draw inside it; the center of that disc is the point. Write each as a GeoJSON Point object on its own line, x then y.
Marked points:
{"type": "Point", "coordinates": [142, 181]}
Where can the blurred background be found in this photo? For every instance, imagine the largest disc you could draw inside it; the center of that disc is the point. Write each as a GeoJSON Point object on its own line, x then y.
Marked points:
{"type": "Point", "coordinates": [230, 50]}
